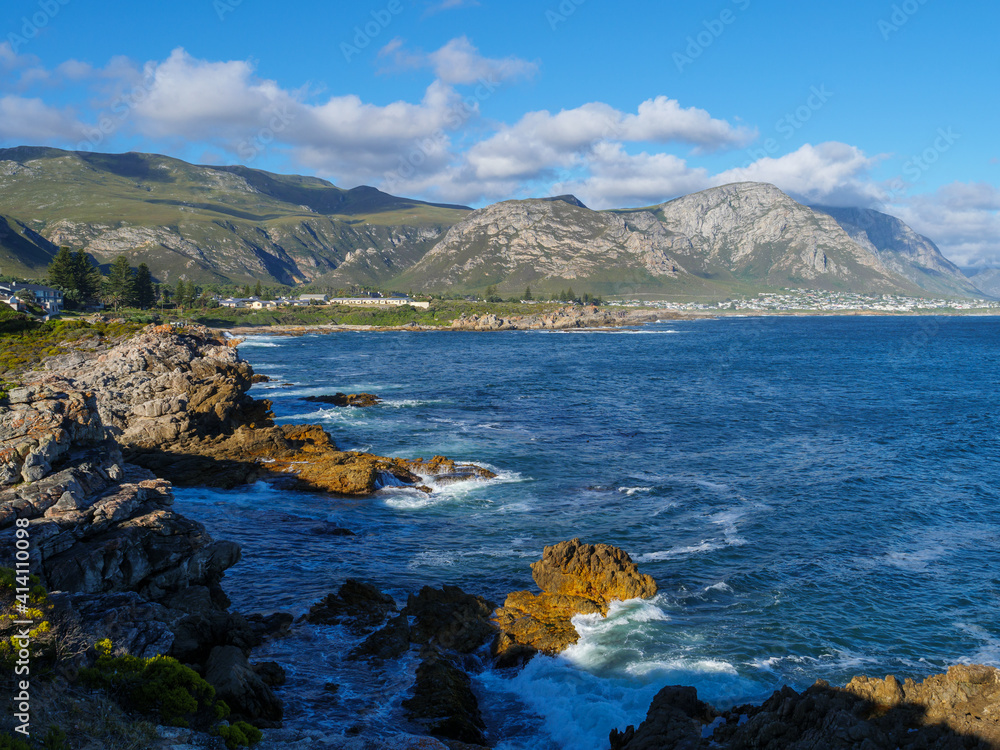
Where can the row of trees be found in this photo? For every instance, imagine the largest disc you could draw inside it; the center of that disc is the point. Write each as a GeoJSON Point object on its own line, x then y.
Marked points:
{"type": "Point", "coordinates": [82, 284]}
{"type": "Point", "coordinates": [566, 295]}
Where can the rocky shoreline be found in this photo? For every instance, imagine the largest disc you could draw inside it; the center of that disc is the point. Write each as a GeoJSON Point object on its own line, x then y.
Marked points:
{"type": "Point", "coordinates": [90, 447]}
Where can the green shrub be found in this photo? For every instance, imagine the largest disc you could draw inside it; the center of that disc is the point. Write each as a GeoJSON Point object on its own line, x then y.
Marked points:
{"type": "Point", "coordinates": [160, 685]}
{"type": "Point", "coordinates": [55, 739]}
{"type": "Point", "coordinates": [10, 743]}
{"type": "Point", "coordinates": [240, 734]}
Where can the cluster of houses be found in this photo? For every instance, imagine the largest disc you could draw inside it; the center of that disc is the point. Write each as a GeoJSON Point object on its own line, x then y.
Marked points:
{"type": "Point", "coordinates": [14, 294]}
{"type": "Point", "coordinates": [304, 300]}
{"type": "Point", "coordinates": [51, 300]}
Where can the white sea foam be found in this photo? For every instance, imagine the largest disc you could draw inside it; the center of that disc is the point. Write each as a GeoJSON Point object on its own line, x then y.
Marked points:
{"type": "Point", "coordinates": [448, 492]}
{"type": "Point", "coordinates": [259, 341]}
{"type": "Point", "coordinates": [669, 554]}
{"type": "Point", "coordinates": [606, 680]}
{"type": "Point", "coordinates": [405, 403]}
{"type": "Point", "coordinates": [720, 586]}
{"type": "Point", "coordinates": [634, 490]}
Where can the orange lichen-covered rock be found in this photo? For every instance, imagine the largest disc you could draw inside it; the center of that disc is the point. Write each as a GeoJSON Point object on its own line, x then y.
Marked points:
{"type": "Point", "coordinates": [575, 578]}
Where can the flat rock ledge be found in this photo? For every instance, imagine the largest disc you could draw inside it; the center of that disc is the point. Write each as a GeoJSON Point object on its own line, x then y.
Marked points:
{"type": "Point", "coordinates": [575, 578]}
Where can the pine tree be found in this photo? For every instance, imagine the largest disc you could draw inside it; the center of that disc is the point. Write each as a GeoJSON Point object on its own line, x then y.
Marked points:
{"type": "Point", "coordinates": [527, 293]}
{"type": "Point", "coordinates": [119, 288]}
{"type": "Point", "coordinates": [180, 293]}
{"type": "Point", "coordinates": [145, 295]}
{"type": "Point", "coordinates": [87, 279]}
{"type": "Point", "coordinates": [570, 295]}
{"type": "Point", "coordinates": [257, 291]}
{"type": "Point", "coordinates": [61, 270]}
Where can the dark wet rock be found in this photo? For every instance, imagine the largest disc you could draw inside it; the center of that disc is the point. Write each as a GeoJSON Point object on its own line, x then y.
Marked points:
{"type": "Point", "coordinates": [357, 605]}
{"type": "Point", "coordinates": [450, 619]}
{"type": "Point", "coordinates": [675, 719]}
{"type": "Point", "coordinates": [443, 702]}
{"type": "Point", "coordinates": [197, 635]}
{"type": "Point", "coordinates": [346, 399]}
{"type": "Point", "coordinates": [388, 642]}
{"type": "Point", "coordinates": [332, 530]}
{"type": "Point", "coordinates": [271, 673]}
{"type": "Point", "coordinates": [274, 625]}
{"type": "Point", "coordinates": [259, 378]}
{"type": "Point", "coordinates": [236, 683]}
{"type": "Point", "coordinates": [953, 710]}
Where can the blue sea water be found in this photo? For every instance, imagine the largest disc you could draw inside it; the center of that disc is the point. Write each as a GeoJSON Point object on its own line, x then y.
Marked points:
{"type": "Point", "coordinates": [816, 498]}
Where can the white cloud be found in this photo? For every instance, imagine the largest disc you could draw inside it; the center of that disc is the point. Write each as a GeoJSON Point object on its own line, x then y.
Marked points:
{"type": "Point", "coordinates": [459, 63]}
{"type": "Point", "coordinates": [963, 219]}
{"type": "Point", "coordinates": [618, 179]}
{"type": "Point", "coordinates": [33, 121]}
{"type": "Point", "coordinates": [830, 173]}
{"type": "Point", "coordinates": [198, 99]}
{"type": "Point", "coordinates": [541, 141]}
{"type": "Point", "coordinates": [661, 120]}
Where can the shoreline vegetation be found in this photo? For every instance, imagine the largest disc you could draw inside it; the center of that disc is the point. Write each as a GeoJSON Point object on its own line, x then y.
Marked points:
{"type": "Point", "coordinates": [91, 445]}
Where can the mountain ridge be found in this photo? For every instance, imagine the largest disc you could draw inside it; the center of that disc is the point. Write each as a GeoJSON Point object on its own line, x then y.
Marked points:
{"type": "Point", "coordinates": [235, 224]}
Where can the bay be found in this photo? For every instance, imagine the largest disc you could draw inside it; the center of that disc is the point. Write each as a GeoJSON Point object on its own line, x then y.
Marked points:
{"type": "Point", "coordinates": [815, 497]}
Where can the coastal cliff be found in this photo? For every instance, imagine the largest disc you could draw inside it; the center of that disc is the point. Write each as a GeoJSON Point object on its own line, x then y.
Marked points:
{"type": "Point", "coordinates": [177, 402]}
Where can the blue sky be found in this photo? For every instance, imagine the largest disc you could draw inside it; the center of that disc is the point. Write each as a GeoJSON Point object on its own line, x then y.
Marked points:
{"type": "Point", "coordinates": [890, 105]}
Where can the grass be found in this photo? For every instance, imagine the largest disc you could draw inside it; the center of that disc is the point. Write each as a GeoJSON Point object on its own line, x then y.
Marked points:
{"type": "Point", "coordinates": [25, 343]}
{"type": "Point", "coordinates": [440, 313]}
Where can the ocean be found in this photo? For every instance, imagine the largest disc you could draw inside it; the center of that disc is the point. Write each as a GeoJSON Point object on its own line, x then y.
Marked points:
{"type": "Point", "coordinates": [815, 497]}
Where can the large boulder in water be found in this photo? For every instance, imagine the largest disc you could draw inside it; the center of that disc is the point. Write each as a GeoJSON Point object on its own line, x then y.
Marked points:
{"type": "Point", "coordinates": [575, 578]}
{"type": "Point", "coordinates": [598, 572]}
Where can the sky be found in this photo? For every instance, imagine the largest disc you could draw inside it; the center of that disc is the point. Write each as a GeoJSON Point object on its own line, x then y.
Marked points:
{"type": "Point", "coordinates": [889, 105]}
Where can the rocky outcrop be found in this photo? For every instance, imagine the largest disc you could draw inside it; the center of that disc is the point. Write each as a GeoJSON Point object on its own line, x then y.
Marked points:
{"type": "Point", "coordinates": [443, 702]}
{"type": "Point", "coordinates": [360, 400]}
{"type": "Point", "coordinates": [104, 535]}
{"type": "Point", "coordinates": [360, 606]}
{"type": "Point", "coordinates": [587, 316]}
{"type": "Point", "coordinates": [575, 578]}
{"type": "Point", "coordinates": [244, 691]}
{"type": "Point", "coordinates": [177, 401]}
{"type": "Point", "coordinates": [97, 525]}
{"type": "Point", "coordinates": [953, 710]}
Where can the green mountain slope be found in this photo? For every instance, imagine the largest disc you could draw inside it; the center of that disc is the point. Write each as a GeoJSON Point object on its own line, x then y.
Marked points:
{"type": "Point", "coordinates": [215, 223]}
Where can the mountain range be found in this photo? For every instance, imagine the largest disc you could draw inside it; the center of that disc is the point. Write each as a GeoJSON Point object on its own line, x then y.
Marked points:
{"type": "Point", "coordinates": [237, 224]}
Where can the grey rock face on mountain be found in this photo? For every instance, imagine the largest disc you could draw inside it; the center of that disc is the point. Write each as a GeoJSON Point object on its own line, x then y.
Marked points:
{"type": "Point", "coordinates": [521, 242]}
{"type": "Point", "coordinates": [754, 231]}
{"type": "Point", "coordinates": [735, 238]}
{"type": "Point", "coordinates": [901, 250]}
{"type": "Point", "coordinates": [986, 280]}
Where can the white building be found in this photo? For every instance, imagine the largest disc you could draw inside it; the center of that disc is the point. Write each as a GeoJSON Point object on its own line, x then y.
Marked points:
{"type": "Point", "coordinates": [379, 302]}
